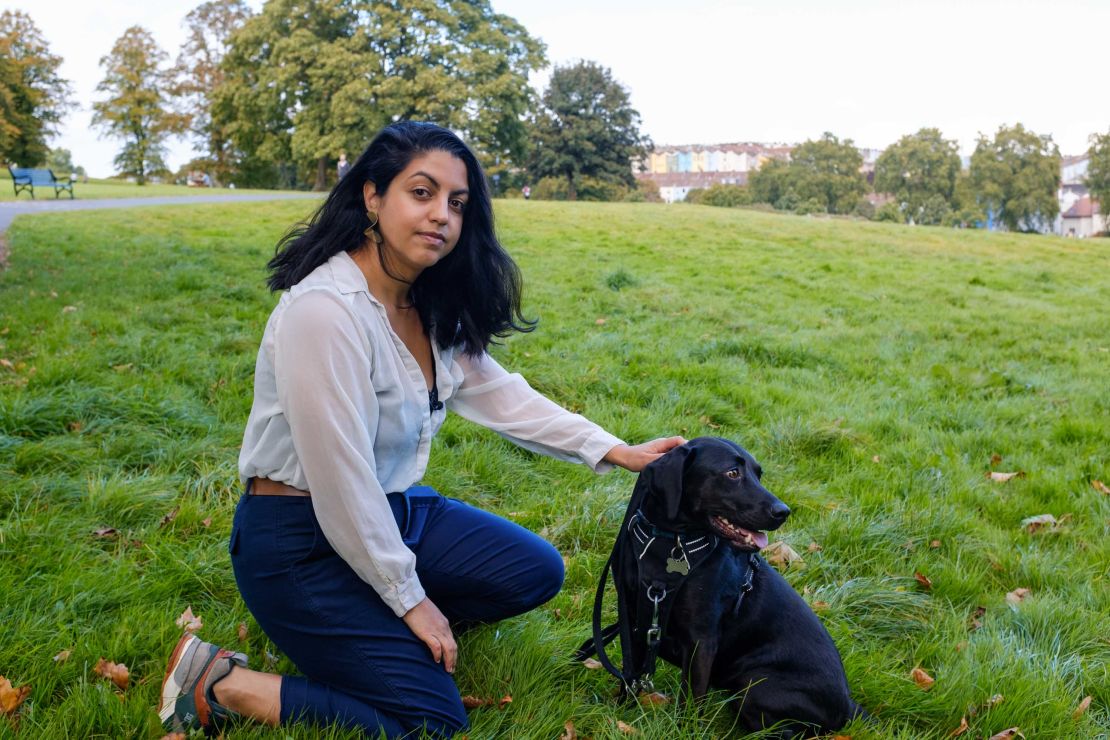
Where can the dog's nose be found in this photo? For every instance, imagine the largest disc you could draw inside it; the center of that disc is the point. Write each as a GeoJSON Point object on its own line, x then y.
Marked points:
{"type": "Point", "coordinates": [779, 511]}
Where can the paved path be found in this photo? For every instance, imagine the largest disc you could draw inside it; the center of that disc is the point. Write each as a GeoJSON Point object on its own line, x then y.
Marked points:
{"type": "Point", "coordinates": [10, 209]}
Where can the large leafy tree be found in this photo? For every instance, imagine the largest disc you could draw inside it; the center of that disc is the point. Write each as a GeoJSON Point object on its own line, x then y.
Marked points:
{"type": "Point", "coordinates": [921, 171]}
{"type": "Point", "coordinates": [827, 171]}
{"type": "Point", "coordinates": [1098, 171]}
{"type": "Point", "coordinates": [137, 108]}
{"type": "Point", "coordinates": [198, 73]}
{"type": "Point", "coordinates": [307, 79]}
{"type": "Point", "coordinates": [33, 97]}
{"type": "Point", "coordinates": [770, 182]}
{"type": "Point", "coordinates": [587, 129]}
{"type": "Point", "coordinates": [1015, 177]}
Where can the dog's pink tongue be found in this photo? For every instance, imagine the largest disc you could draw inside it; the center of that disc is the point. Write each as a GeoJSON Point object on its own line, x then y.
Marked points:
{"type": "Point", "coordinates": [760, 539]}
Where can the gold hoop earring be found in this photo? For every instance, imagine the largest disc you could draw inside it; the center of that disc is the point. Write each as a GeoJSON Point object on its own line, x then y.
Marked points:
{"type": "Point", "coordinates": [370, 231]}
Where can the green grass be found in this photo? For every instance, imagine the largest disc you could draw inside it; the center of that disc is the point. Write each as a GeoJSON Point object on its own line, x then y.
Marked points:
{"type": "Point", "coordinates": [99, 189]}
{"type": "Point", "coordinates": [873, 369]}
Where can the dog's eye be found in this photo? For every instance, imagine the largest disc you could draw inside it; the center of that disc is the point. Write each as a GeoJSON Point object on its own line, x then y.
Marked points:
{"type": "Point", "coordinates": [734, 473]}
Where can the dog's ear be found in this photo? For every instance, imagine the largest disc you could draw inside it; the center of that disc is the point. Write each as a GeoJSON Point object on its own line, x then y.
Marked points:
{"type": "Point", "coordinates": [663, 478]}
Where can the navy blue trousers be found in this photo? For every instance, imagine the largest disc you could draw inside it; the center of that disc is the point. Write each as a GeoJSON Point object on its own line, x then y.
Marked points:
{"type": "Point", "coordinates": [363, 667]}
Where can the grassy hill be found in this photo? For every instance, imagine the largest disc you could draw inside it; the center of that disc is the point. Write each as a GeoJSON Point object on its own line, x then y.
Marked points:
{"type": "Point", "coordinates": [878, 372]}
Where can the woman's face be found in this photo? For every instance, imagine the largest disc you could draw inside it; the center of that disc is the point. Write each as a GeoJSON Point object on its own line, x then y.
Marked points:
{"type": "Point", "coordinates": [420, 214]}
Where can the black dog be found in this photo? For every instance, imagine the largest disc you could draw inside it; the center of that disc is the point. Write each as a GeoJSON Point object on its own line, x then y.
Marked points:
{"type": "Point", "coordinates": [732, 622]}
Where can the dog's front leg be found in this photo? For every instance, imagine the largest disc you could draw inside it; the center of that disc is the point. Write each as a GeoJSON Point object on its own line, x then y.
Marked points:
{"type": "Point", "coordinates": [697, 666]}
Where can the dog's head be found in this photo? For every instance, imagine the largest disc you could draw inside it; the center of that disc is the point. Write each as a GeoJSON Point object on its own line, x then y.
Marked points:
{"type": "Point", "coordinates": [711, 484]}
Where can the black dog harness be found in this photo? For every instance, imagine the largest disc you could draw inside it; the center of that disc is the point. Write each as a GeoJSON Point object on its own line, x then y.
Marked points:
{"type": "Point", "coordinates": [664, 560]}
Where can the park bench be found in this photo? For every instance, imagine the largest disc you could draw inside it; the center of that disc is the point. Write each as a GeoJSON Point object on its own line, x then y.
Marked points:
{"type": "Point", "coordinates": [26, 178]}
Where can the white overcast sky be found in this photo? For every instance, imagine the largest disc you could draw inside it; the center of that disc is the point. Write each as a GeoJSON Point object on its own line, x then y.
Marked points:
{"type": "Point", "coordinates": [706, 72]}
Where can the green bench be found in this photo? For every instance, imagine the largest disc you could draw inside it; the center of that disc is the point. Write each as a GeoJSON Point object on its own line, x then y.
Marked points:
{"type": "Point", "coordinates": [26, 178]}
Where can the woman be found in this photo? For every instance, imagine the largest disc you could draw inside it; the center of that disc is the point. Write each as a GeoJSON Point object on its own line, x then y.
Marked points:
{"type": "Point", "coordinates": [394, 291]}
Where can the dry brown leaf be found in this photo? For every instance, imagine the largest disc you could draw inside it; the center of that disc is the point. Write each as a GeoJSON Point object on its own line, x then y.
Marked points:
{"type": "Point", "coordinates": [75, 426]}
{"type": "Point", "coordinates": [189, 621]}
{"type": "Point", "coordinates": [600, 322]}
{"type": "Point", "coordinates": [63, 656]}
{"type": "Point", "coordinates": [819, 606]}
{"type": "Point", "coordinates": [473, 702]}
{"type": "Point", "coordinates": [558, 613]}
{"type": "Point", "coordinates": [169, 517]}
{"type": "Point", "coordinates": [106, 532]}
{"type": "Point", "coordinates": [175, 736]}
{"type": "Point", "coordinates": [875, 458]}
{"type": "Point", "coordinates": [995, 459]}
{"type": "Point", "coordinates": [780, 554]}
{"type": "Point", "coordinates": [242, 632]}
{"type": "Point", "coordinates": [814, 547]}
{"type": "Point", "coordinates": [973, 622]}
{"type": "Point", "coordinates": [505, 701]}
{"type": "Point", "coordinates": [994, 701]}
{"type": "Point", "coordinates": [961, 729]}
{"type": "Point", "coordinates": [6, 363]}
{"type": "Point", "coordinates": [117, 673]}
{"type": "Point", "coordinates": [592, 664]}
{"type": "Point", "coordinates": [997, 477]}
{"type": "Point", "coordinates": [655, 698]}
{"type": "Point", "coordinates": [11, 697]}
{"type": "Point", "coordinates": [934, 544]}
{"type": "Point", "coordinates": [923, 680]}
{"type": "Point", "coordinates": [923, 580]}
{"type": "Point", "coordinates": [569, 732]}
{"type": "Point", "coordinates": [1008, 733]}
{"type": "Point", "coordinates": [1083, 705]}
{"type": "Point", "coordinates": [1017, 596]}
{"type": "Point", "coordinates": [1100, 487]}
{"type": "Point", "coordinates": [842, 737]}
{"type": "Point", "coordinates": [1032, 524]}
{"type": "Point", "coordinates": [207, 521]}
{"type": "Point", "coordinates": [626, 728]}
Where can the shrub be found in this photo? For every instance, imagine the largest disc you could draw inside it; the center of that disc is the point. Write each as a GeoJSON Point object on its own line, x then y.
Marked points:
{"type": "Point", "coordinates": [727, 196]}
{"type": "Point", "coordinates": [890, 212]}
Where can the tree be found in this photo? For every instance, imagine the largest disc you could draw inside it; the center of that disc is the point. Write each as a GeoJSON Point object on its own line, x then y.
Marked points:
{"type": "Point", "coordinates": [137, 109]}
{"type": "Point", "coordinates": [920, 170]}
{"type": "Point", "coordinates": [587, 129]}
{"type": "Point", "coordinates": [770, 182]}
{"type": "Point", "coordinates": [33, 98]}
{"type": "Point", "coordinates": [61, 162]}
{"type": "Point", "coordinates": [198, 74]}
{"type": "Point", "coordinates": [828, 171]}
{"type": "Point", "coordinates": [1015, 177]}
{"type": "Point", "coordinates": [1098, 171]}
{"type": "Point", "coordinates": [307, 79]}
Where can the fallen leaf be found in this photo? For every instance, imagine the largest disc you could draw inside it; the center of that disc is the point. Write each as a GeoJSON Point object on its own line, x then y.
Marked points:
{"type": "Point", "coordinates": [626, 728]}
{"type": "Point", "coordinates": [1100, 487]}
{"type": "Point", "coordinates": [994, 701]}
{"type": "Point", "coordinates": [505, 700]}
{"type": "Point", "coordinates": [63, 656]}
{"type": "Point", "coordinates": [781, 554]}
{"type": "Point", "coordinates": [655, 698]}
{"type": "Point", "coordinates": [934, 544]}
{"type": "Point", "coordinates": [1033, 524]}
{"type": "Point", "coordinates": [242, 632]}
{"type": "Point", "coordinates": [207, 521]}
{"type": "Point", "coordinates": [473, 702]}
{"type": "Point", "coordinates": [923, 580]}
{"type": "Point", "coordinates": [122, 368]}
{"type": "Point", "coordinates": [961, 646]}
{"type": "Point", "coordinates": [1017, 596]}
{"type": "Point", "coordinates": [592, 664]}
{"type": "Point", "coordinates": [569, 732]}
{"type": "Point", "coordinates": [173, 736]}
{"type": "Point", "coordinates": [69, 309]}
{"type": "Point", "coordinates": [1008, 733]}
{"type": "Point", "coordinates": [6, 363]}
{"type": "Point", "coordinates": [814, 547]}
{"type": "Point", "coordinates": [53, 294]}
{"type": "Point", "coordinates": [168, 517]}
{"type": "Point", "coordinates": [995, 459]}
{"type": "Point", "coordinates": [997, 477]}
{"type": "Point", "coordinates": [961, 729]}
{"type": "Point", "coordinates": [819, 606]}
{"type": "Point", "coordinates": [842, 737]}
{"type": "Point", "coordinates": [973, 622]}
{"type": "Point", "coordinates": [75, 426]}
{"type": "Point", "coordinates": [116, 672]}
{"type": "Point", "coordinates": [923, 680]}
{"type": "Point", "coordinates": [11, 697]}
{"type": "Point", "coordinates": [558, 613]}
{"type": "Point", "coordinates": [189, 621]}
{"type": "Point", "coordinates": [600, 322]}
{"type": "Point", "coordinates": [106, 532]}
{"type": "Point", "coordinates": [875, 458]}
{"type": "Point", "coordinates": [1079, 710]}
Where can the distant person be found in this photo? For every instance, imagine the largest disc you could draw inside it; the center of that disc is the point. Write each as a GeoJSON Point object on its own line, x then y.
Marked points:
{"type": "Point", "coordinates": [527, 192]}
{"type": "Point", "coordinates": [392, 293]}
{"type": "Point", "coordinates": [344, 166]}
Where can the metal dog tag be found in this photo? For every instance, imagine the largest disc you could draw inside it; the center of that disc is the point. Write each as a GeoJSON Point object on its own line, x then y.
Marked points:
{"type": "Point", "coordinates": [682, 567]}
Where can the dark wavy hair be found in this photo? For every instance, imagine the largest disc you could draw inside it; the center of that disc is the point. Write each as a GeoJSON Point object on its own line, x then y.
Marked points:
{"type": "Point", "coordinates": [465, 299]}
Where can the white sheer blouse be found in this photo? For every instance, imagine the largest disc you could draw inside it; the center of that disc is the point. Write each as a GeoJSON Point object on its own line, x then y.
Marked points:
{"type": "Point", "coordinates": [341, 409]}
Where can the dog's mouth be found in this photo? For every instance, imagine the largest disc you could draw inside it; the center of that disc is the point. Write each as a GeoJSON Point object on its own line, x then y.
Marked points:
{"type": "Point", "coordinates": [745, 539]}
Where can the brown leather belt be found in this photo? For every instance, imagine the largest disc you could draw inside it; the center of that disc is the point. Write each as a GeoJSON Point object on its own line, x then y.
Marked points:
{"type": "Point", "coordinates": [267, 487]}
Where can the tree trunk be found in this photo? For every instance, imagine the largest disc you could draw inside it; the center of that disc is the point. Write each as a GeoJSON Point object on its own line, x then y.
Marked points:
{"type": "Point", "coordinates": [321, 175]}
{"type": "Point", "coordinates": [572, 192]}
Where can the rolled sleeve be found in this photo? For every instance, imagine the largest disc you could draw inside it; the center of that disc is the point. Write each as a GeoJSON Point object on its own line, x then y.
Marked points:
{"type": "Point", "coordinates": [322, 366]}
{"type": "Point", "coordinates": [504, 402]}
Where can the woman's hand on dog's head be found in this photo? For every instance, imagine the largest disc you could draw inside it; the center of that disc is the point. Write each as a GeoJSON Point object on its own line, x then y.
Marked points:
{"type": "Point", "coordinates": [637, 457]}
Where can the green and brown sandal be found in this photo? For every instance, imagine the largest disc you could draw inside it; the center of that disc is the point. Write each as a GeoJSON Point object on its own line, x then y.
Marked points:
{"type": "Point", "coordinates": [187, 699]}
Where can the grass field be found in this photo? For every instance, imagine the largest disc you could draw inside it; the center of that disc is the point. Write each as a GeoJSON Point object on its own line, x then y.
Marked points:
{"type": "Point", "coordinates": [878, 372]}
{"type": "Point", "coordinates": [97, 189]}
